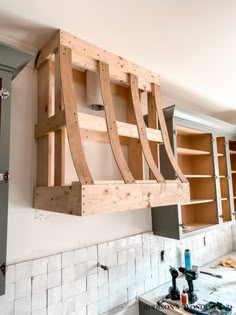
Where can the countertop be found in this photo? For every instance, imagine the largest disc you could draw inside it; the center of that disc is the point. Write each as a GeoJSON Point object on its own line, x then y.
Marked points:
{"type": "Point", "coordinates": [206, 287]}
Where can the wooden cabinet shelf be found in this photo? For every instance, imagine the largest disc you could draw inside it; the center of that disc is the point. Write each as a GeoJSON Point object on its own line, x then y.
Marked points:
{"type": "Point", "coordinates": [198, 176]}
{"type": "Point", "coordinates": [195, 226]}
{"type": "Point", "coordinates": [232, 152]}
{"type": "Point", "coordinates": [196, 201]}
{"type": "Point", "coordinates": [186, 151]}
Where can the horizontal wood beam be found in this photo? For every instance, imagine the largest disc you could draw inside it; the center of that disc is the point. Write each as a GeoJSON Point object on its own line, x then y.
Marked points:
{"type": "Point", "coordinates": [101, 198]}
{"type": "Point", "coordinates": [83, 63]}
{"type": "Point", "coordinates": [94, 123]}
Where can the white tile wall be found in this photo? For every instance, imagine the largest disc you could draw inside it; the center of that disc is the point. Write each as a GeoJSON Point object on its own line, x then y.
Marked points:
{"type": "Point", "coordinates": [70, 283]}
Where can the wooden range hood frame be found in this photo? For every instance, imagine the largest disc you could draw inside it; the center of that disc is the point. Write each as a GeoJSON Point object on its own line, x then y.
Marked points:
{"type": "Point", "coordinates": [55, 63]}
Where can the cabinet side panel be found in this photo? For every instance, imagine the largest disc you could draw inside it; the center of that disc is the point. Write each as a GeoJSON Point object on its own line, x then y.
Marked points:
{"type": "Point", "coordinates": [165, 221]}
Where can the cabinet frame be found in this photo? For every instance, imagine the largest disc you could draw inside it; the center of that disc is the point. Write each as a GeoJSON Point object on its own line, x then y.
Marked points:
{"type": "Point", "coordinates": [178, 117]}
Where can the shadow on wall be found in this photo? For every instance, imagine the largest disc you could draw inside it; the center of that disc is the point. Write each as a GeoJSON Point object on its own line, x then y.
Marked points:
{"type": "Point", "coordinates": [186, 98]}
{"type": "Point", "coordinates": [33, 35]}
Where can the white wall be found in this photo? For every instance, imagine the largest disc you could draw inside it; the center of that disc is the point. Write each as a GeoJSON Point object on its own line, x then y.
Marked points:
{"type": "Point", "coordinates": [34, 233]}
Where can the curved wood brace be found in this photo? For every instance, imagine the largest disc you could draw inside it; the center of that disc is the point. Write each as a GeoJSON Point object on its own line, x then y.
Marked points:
{"type": "Point", "coordinates": [165, 136]}
{"type": "Point", "coordinates": [72, 124]}
{"type": "Point", "coordinates": [111, 123]}
{"type": "Point", "coordinates": [142, 129]}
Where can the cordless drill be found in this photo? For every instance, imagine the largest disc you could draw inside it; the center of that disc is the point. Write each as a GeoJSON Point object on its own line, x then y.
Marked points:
{"type": "Point", "coordinates": [190, 275]}
{"type": "Point", "coordinates": [174, 291]}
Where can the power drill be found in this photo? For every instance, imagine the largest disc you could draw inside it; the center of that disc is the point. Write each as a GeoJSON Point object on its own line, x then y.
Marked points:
{"type": "Point", "coordinates": [190, 275]}
{"type": "Point", "coordinates": [174, 291]}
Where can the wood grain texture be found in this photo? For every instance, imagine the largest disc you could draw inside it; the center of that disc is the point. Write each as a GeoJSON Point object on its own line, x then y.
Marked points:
{"type": "Point", "coordinates": [59, 157]}
{"type": "Point", "coordinates": [153, 123]}
{"type": "Point", "coordinates": [72, 124]}
{"type": "Point", "coordinates": [111, 123]}
{"type": "Point", "coordinates": [165, 136]}
{"type": "Point", "coordinates": [135, 153]}
{"type": "Point", "coordinates": [96, 124]}
{"type": "Point", "coordinates": [142, 129]}
{"type": "Point", "coordinates": [50, 48]}
{"type": "Point", "coordinates": [101, 198]}
{"type": "Point", "coordinates": [44, 145]}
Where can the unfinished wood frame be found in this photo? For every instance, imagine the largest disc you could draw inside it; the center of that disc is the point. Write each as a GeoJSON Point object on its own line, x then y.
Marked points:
{"type": "Point", "coordinates": [55, 63]}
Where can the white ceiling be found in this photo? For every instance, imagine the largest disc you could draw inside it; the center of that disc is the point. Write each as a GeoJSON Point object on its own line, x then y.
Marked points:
{"type": "Point", "coordinates": [191, 43]}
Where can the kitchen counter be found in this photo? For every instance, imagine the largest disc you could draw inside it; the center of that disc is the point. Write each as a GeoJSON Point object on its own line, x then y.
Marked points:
{"type": "Point", "coordinates": [206, 287]}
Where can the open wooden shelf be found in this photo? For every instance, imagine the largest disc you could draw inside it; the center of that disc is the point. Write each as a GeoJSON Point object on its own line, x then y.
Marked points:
{"type": "Point", "coordinates": [224, 199]}
{"type": "Point", "coordinates": [220, 155]}
{"type": "Point", "coordinates": [184, 131]}
{"type": "Point", "coordinates": [232, 152]}
{"type": "Point", "coordinates": [233, 172]}
{"type": "Point", "coordinates": [186, 151]}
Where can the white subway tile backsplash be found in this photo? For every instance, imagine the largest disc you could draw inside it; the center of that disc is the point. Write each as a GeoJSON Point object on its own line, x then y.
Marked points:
{"type": "Point", "coordinates": [40, 312]}
{"type": "Point", "coordinates": [80, 300]}
{"type": "Point", "coordinates": [54, 263]}
{"type": "Point", "coordinates": [80, 270]}
{"type": "Point", "coordinates": [39, 266]}
{"type": "Point", "coordinates": [70, 283]}
{"type": "Point", "coordinates": [69, 274]}
{"type": "Point", "coordinates": [103, 291]}
{"type": "Point", "coordinates": [80, 256]}
{"type": "Point", "coordinates": [39, 301]}
{"type": "Point", "coordinates": [54, 279]}
{"type": "Point", "coordinates": [68, 306]}
{"type": "Point", "coordinates": [68, 259]}
{"type": "Point", "coordinates": [8, 308]}
{"type": "Point", "coordinates": [11, 274]}
{"type": "Point", "coordinates": [117, 299]}
{"type": "Point", "coordinates": [92, 296]}
{"type": "Point", "coordinates": [55, 309]}
{"type": "Point", "coordinates": [9, 294]}
{"type": "Point", "coordinates": [23, 288]}
{"type": "Point", "coordinates": [92, 309]}
{"type": "Point", "coordinates": [23, 306]}
{"type": "Point", "coordinates": [39, 284]}
{"type": "Point", "coordinates": [24, 270]}
{"type": "Point", "coordinates": [103, 305]}
{"type": "Point", "coordinates": [54, 295]}
{"type": "Point", "coordinates": [102, 277]}
{"type": "Point", "coordinates": [92, 267]}
{"type": "Point", "coordinates": [92, 281]}
{"type": "Point", "coordinates": [92, 253]}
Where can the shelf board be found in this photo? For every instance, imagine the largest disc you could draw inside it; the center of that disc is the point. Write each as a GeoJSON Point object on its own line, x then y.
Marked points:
{"type": "Point", "coordinates": [234, 197]}
{"type": "Point", "coordinates": [233, 172]}
{"type": "Point", "coordinates": [220, 154]}
{"type": "Point", "coordinates": [222, 176]}
{"type": "Point", "coordinates": [185, 151]}
{"type": "Point", "coordinates": [198, 176]}
{"type": "Point", "coordinates": [232, 152]}
{"type": "Point", "coordinates": [196, 201]}
{"type": "Point", "coordinates": [224, 199]}
{"type": "Point", "coordinates": [196, 226]}
{"type": "Point", "coordinates": [184, 131]}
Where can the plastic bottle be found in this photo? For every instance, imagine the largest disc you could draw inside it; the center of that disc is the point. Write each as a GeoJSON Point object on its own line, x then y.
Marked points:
{"type": "Point", "coordinates": [184, 297]}
{"type": "Point", "coordinates": [187, 259]}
